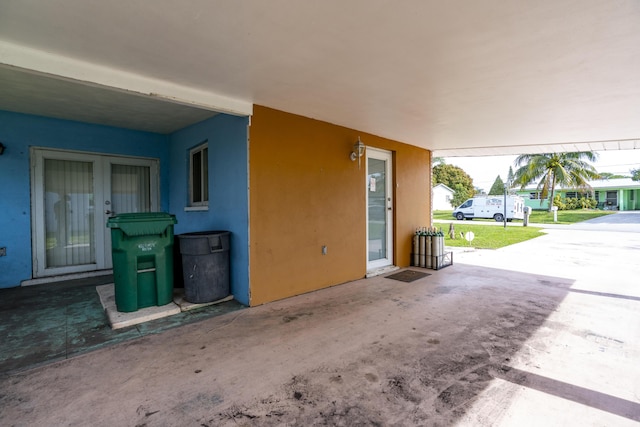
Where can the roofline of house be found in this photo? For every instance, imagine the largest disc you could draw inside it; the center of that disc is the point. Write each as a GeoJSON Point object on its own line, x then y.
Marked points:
{"type": "Point", "coordinates": [627, 184]}
{"type": "Point", "coordinates": [445, 186]}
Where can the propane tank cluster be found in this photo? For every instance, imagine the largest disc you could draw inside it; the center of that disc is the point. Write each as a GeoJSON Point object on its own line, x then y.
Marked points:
{"type": "Point", "coordinates": [428, 247]}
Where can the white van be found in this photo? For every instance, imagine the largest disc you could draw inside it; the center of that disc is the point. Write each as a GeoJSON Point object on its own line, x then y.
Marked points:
{"type": "Point", "coordinates": [491, 207]}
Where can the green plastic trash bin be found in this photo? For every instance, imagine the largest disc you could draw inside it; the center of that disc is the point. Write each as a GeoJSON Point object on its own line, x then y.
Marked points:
{"type": "Point", "coordinates": [142, 253]}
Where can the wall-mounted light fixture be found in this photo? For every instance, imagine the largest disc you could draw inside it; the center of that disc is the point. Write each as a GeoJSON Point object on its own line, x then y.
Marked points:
{"type": "Point", "coordinates": [1, 148]}
{"type": "Point", "coordinates": [358, 151]}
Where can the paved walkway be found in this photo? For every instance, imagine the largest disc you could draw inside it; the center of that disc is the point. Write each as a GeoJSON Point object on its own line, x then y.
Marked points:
{"type": "Point", "coordinates": [545, 332]}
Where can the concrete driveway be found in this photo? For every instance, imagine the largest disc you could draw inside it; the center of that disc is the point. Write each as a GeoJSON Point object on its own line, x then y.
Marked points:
{"type": "Point", "coordinates": [545, 332]}
{"type": "Point", "coordinates": [621, 221]}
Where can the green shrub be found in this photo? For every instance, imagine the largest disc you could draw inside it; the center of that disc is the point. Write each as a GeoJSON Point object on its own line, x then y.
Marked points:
{"type": "Point", "coordinates": [573, 203]}
{"type": "Point", "coordinates": [559, 202]}
{"type": "Point", "coordinates": [588, 203]}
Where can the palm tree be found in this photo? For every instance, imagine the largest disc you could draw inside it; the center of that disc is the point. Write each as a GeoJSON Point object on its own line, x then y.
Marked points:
{"type": "Point", "coordinates": [571, 170]}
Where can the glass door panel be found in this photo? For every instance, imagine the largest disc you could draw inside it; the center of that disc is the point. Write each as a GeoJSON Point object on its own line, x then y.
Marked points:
{"type": "Point", "coordinates": [130, 189]}
{"type": "Point", "coordinates": [68, 210]}
{"type": "Point", "coordinates": [379, 209]}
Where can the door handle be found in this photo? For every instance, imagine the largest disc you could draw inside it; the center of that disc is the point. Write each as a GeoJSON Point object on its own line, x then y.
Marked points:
{"type": "Point", "coordinates": [108, 212]}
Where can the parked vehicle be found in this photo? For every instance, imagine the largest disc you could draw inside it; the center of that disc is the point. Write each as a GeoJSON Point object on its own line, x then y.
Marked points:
{"type": "Point", "coordinates": [491, 207]}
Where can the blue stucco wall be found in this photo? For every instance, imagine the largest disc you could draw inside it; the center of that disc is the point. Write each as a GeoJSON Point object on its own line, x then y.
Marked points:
{"type": "Point", "coordinates": [228, 189]}
{"type": "Point", "coordinates": [228, 176]}
{"type": "Point", "coordinates": [18, 132]}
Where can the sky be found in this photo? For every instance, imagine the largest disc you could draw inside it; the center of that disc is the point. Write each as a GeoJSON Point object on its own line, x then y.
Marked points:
{"type": "Point", "coordinates": [484, 170]}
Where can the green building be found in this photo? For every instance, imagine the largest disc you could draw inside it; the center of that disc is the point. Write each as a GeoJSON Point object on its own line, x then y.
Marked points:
{"type": "Point", "coordinates": [612, 194]}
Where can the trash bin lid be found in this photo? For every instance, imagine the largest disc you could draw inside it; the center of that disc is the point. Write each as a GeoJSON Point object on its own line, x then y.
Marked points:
{"type": "Point", "coordinates": [203, 242]}
{"type": "Point", "coordinates": [142, 223]}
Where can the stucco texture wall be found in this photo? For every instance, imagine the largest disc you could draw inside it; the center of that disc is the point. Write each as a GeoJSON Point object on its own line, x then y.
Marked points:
{"type": "Point", "coordinates": [305, 192]}
{"type": "Point", "coordinates": [227, 141]}
{"type": "Point", "coordinates": [20, 132]}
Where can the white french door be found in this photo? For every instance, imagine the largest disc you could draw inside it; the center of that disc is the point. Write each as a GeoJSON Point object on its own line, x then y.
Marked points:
{"type": "Point", "coordinates": [379, 209]}
{"type": "Point", "coordinates": [73, 195]}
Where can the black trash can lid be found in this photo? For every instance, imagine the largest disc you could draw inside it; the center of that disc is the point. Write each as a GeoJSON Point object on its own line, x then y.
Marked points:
{"type": "Point", "coordinates": [203, 233]}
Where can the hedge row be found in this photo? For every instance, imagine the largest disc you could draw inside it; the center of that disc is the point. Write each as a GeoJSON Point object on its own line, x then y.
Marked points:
{"type": "Point", "coordinates": [574, 203]}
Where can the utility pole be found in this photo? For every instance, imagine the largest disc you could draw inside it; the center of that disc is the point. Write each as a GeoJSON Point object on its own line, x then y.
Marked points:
{"type": "Point", "coordinates": [504, 218]}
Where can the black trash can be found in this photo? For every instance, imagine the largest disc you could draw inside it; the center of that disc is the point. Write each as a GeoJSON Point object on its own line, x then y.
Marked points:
{"type": "Point", "coordinates": [205, 265]}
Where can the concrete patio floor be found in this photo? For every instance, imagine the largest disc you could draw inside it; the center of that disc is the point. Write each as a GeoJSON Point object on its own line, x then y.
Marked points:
{"type": "Point", "coordinates": [45, 323]}
{"type": "Point", "coordinates": [545, 332]}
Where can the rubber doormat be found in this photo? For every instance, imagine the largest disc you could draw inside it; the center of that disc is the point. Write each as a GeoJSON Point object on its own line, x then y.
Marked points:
{"type": "Point", "coordinates": [408, 275]}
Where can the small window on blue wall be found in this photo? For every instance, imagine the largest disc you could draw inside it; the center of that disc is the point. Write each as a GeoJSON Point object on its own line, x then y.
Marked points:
{"type": "Point", "coordinates": [199, 175]}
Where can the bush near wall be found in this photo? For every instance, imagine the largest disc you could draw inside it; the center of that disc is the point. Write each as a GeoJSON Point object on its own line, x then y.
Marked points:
{"type": "Point", "coordinates": [571, 203]}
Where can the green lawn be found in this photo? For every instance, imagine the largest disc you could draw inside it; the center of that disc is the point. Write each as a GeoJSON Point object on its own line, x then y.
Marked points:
{"type": "Point", "coordinates": [493, 237]}
{"type": "Point", "coordinates": [488, 236]}
{"type": "Point", "coordinates": [541, 217]}
{"type": "Point", "coordinates": [566, 217]}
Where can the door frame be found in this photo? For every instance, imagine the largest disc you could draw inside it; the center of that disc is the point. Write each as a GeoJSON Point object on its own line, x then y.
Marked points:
{"type": "Point", "coordinates": [102, 175]}
{"type": "Point", "coordinates": [387, 156]}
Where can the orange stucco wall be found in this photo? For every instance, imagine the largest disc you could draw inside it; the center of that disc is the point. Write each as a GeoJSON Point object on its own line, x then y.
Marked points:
{"type": "Point", "coordinates": [305, 192]}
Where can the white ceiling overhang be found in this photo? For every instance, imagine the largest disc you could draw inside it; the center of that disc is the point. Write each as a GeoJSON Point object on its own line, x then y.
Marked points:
{"type": "Point", "coordinates": [460, 77]}
{"type": "Point", "coordinates": [49, 85]}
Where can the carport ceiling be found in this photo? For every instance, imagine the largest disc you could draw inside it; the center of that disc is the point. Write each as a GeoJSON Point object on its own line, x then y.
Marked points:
{"type": "Point", "coordinates": [460, 77]}
{"type": "Point", "coordinates": [43, 95]}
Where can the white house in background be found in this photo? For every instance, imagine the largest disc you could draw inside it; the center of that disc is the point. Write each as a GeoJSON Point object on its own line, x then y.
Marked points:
{"type": "Point", "coordinates": [442, 197]}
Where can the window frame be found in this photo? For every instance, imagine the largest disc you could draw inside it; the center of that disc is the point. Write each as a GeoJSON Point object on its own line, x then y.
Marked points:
{"type": "Point", "coordinates": [199, 156]}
